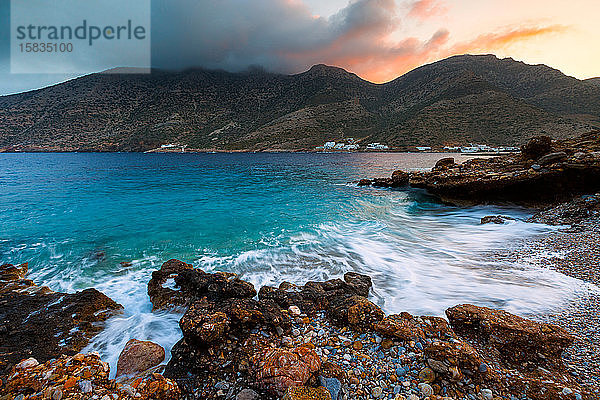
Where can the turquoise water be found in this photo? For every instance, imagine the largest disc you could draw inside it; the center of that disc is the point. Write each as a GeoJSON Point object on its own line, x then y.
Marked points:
{"type": "Point", "coordinates": [268, 217]}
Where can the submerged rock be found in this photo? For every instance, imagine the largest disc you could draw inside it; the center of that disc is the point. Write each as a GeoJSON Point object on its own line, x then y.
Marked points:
{"type": "Point", "coordinates": [495, 219]}
{"type": "Point", "coordinates": [139, 356]}
{"type": "Point", "coordinates": [43, 324]}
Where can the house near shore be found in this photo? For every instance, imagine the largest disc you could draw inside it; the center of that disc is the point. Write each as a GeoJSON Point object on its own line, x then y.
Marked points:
{"type": "Point", "coordinates": [377, 146]}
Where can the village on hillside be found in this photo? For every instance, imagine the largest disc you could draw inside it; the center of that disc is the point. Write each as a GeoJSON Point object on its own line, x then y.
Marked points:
{"type": "Point", "coordinates": [350, 144]}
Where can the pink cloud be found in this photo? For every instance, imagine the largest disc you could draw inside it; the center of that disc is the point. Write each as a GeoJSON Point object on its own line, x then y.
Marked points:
{"type": "Point", "coordinates": [423, 9]}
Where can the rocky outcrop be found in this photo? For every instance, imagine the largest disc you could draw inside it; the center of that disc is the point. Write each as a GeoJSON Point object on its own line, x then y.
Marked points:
{"type": "Point", "coordinates": [139, 356]}
{"type": "Point", "coordinates": [546, 172]}
{"type": "Point", "coordinates": [399, 179]}
{"type": "Point", "coordinates": [81, 377]}
{"type": "Point", "coordinates": [177, 284]}
{"type": "Point", "coordinates": [515, 340]}
{"type": "Point", "coordinates": [38, 322]}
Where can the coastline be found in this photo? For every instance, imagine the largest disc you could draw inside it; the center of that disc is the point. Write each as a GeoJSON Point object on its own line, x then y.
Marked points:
{"type": "Point", "coordinates": [326, 339]}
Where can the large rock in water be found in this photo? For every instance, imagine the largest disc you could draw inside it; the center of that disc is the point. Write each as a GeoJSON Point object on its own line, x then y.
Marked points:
{"type": "Point", "coordinates": [139, 356]}
{"type": "Point", "coordinates": [515, 340]}
{"type": "Point", "coordinates": [177, 284]}
{"type": "Point", "coordinates": [38, 322]}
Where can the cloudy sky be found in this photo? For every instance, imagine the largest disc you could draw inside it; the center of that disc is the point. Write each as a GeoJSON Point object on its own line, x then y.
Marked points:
{"type": "Point", "coordinates": [377, 39]}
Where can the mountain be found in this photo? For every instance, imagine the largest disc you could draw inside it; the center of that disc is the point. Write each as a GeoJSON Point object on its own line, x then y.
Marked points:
{"type": "Point", "coordinates": [454, 101]}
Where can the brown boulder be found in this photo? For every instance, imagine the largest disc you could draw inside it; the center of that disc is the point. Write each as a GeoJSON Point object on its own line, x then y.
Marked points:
{"type": "Point", "coordinates": [516, 340]}
{"type": "Point", "coordinates": [277, 369]}
{"type": "Point", "coordinates": [315, 296]}
{"type": "Point", "coordinates": [402, 326]}
{"type": "Point", "coordinates": [406, 327]}
{"type": "Point", "coordinates": [355, 311]}
{"type": "Point", "coordinates": [537, 147]}
{"type": "Point", "coordinates": [456, 359]}
{"type": "Point", "coordinates": [139, 356]}
{"type": "Point", "coordinates": [400, 178]}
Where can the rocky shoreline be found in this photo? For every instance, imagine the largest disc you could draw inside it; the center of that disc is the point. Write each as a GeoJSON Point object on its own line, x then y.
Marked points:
{"type": "Point", "coordinates": [323, 340]}
{"type": "Point", "coordinates": [545, 173]}
{"type": "Point", "coordinates": [327, 340]}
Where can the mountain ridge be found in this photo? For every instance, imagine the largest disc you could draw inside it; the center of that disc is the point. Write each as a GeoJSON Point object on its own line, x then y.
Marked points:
{"type": "Point", "coordinates": [468, 98]}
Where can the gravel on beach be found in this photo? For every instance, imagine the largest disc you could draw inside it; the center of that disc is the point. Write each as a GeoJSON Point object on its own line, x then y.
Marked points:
{"type": "Point", "coordinates": [575, 252]}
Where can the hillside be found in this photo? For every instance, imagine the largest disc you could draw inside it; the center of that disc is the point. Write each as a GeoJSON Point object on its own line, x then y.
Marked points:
{"type": "Point", "coordinates": [457, 100]}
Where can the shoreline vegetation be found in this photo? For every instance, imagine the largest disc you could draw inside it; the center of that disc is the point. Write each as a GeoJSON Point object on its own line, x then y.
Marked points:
{"type": "Point", "coordinates": [327, 340]}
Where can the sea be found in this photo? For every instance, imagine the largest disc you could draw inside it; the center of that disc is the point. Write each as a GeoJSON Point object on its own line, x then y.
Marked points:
{"type": "Point", "coordinates": [107, 220]}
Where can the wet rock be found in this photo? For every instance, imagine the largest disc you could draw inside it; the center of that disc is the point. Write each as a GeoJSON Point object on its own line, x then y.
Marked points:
{"type": "Point", "coordinates": [495, 219]}
{"type": "Point", "coordinates": [278, 369]}
{"type": "Point", "coordinates": [400, 178]}
{"type": "Point", "coordinates": [161, 295]}
{"type": "Point", "coordinates": [537, 147]}
{"type": "Point", "coordinates": [516, 340]}
{"type": "Point", "coordinates": [202, 323]}
{"type": "Point", "coordinates": [43, 324]}
{"type": "Point", "coordinates": [364, 182]}
{"type": "Point", "coordinates": [177, 284]}
{"type": "Point", "coordinates": [315, 296]}
{"type": "Point", "coordinates": [139, 356]}
{"type": "Point", "coordinates": [355, 311]}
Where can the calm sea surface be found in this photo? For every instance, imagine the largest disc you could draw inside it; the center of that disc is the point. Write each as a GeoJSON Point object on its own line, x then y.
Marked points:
{"type": "Point", "coordinates": [268, 217]}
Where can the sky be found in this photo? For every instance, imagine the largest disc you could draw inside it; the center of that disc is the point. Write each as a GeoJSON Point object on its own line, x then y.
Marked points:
{"type": "Point", "coordinates": [378, 40]}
